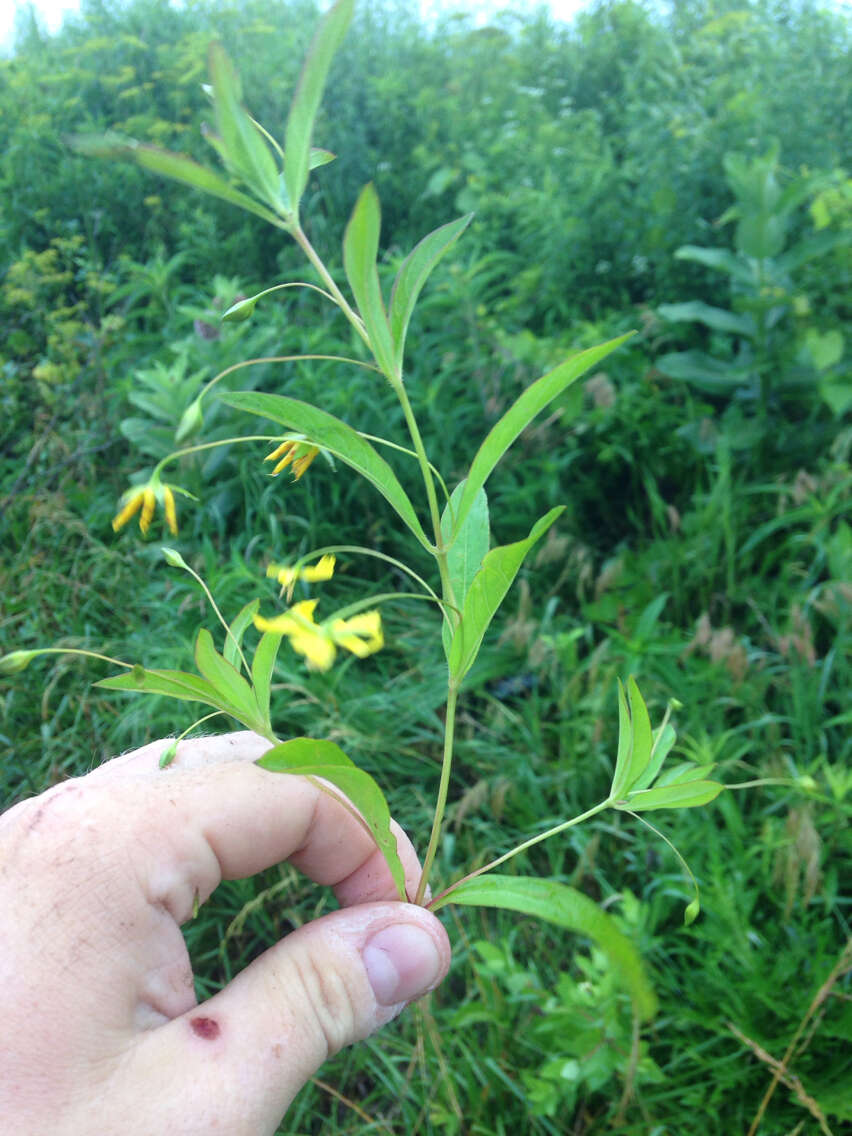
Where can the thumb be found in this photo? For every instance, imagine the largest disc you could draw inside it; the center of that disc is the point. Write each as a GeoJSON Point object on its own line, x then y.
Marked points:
{"type": "Point", "coordinates": [238, 1060]}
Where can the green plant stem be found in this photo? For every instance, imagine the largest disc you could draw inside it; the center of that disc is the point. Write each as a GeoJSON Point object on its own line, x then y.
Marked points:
{"type": "Point", "coordinates": [310, 252]}
{"type": "Point", "coordinates": [285, 359]}
{"type": "Point", "coordinates": [444, 895]}
{"type": "Point", "coordinates": [383, 597]}
{"type": "Point", "coordinates": [441, 803]}
{"type": "Point", "coordinates": [440, 552]}
{"type": "Point", "coordinates": [330, 549]}
{"type": "Point", "coordinates": [80, 651]}
{"type": "Point", "coordinates": [410, 453]}
{"type": "Point", "coordinates": [228, 632]}
{"type": "Point", "coordinates": [201, 446]}
{"type": "Point", "coordinates": [663, 836]}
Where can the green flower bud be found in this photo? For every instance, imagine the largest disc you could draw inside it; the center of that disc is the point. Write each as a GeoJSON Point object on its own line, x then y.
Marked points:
{"type": "Point", "coordinates": [191, 421]}
{"type": "Point", "coordinates": [16, 661]}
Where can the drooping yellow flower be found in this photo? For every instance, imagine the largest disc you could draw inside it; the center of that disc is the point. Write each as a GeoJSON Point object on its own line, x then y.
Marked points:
{"type": "Point", "coordinates": [287, 575]}
{"type": "Point", "coordinates": [298, 453]}
{"type": "Point", "coordinates": [318, 642]}
{"type": "Point", "coordinates": [145, 497]}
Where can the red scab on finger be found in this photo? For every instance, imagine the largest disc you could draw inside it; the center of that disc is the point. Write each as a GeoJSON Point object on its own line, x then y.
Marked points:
{"type": "Point", "coordinates": [208, 1028]}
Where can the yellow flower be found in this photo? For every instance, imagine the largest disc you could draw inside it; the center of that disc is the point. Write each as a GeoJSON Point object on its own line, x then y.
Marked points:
{"type": "Point", "coordinates": [145, 497]}
{"type": "Point", "coordinates": [286, 575]}
{"type": "Point", "coordinates": [318, 642]}
{"type": "Point", "coordinates": [299, 453]}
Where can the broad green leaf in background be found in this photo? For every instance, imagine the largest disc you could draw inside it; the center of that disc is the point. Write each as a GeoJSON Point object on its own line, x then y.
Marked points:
{"type": "Point", "coordinates": [191, 421]}
{"type": "Point", "coordinates": [715, 376]}
{"type": "Point", "coordinates": [170, 165]}
{"type": "Point", "coordinates": [414, 273]}
{"type": "Point", "coordinates": [521, 413]}
{"type": "Point", "coordinates": [486, 592]}
{"type": "Point", "coordinates": [314, 757]}
{"type": "Point", "coordinates": [229, 684]}
{"type": "Point", "coordinates": [243, 147]}
{"type": "Point", "coordinates": [467, 549]}
{"type": "Point", "coordinates": [262, 666]}
{"type": "Point", "coordinates": [836, 393]}
{"type": "Point", "coordinates": [811, 249]}
{"type": "Point", "coordinates": [718, 318]}
{"type": "Point", "coordinates": [723, 260]}
{"type": "Point", "coordinates": [233, 641]}
{"type": "Point", "coordinates": [303, 109]}
{"type": "Point", "coordinates": [360, 251]}
{"type": "Point", "coordinates": [567, 908]}
{"type": "Point", "coordinates": [323, 429]}
{"type": "Point", "coordinates": [824, 349]}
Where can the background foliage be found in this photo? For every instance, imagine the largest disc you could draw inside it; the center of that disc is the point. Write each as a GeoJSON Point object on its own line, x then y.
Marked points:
{"type": "Point", "coordinates": [678, 174]}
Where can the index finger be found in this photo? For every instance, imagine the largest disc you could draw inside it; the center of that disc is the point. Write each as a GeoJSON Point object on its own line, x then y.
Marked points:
{"type": "Point", "coordinates": [214, 814]}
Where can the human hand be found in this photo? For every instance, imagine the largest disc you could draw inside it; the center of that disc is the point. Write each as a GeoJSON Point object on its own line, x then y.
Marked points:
{"type": "Point", "coordinates": [101, 1031]}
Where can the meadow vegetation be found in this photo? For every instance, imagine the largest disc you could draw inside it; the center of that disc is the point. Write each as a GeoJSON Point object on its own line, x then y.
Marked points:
{"type": "Point", "coordinates": [679, 175]}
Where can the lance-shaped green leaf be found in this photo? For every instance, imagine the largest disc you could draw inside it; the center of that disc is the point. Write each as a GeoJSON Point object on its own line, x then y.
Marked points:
{"type": "Point", "coordinates": [625, 744]}
{"type": "Point", "coordinates": [230, 686]}
{"type": "Point", "coordinates": [360, 251]}
{"type": "Point", "coordinates": [237, 629]}
{"type": "Point", "coordinates": [467, 550]}
{"type": "Point", "coordinates": [172, 684]}
{"type": "Point", "coordinates": [634, 754]}
{"type": "Point", "coordinates": [568, 908]}
{"type": "Point", "coordinates": [686, 796]}
{"type": "Point", "coordinates": [415, 271]}
{"type": "Point", "coordinates": [519, 415]}
{"type": "Point", "coordinates": [664, 739]}
{"type": "Point", "coordinates": [243, 146]}
{"type": "Point", "coordinates": [303, 110]}
{"type": "Point", "coordinates": [314, 757]}
{"type": "Point", "coordinates": [262, 666]}
{"type": "Point", "coordinates": [680, 774]}
{"type": "Point", "coordinates": [486, 593]}
{"type": "Point", "coordinates": [171, 165]}
{"type": "Point", "coordinates": [323, 429]}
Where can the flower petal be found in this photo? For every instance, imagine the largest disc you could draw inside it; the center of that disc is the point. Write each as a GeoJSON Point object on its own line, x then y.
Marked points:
{"type": "Point", "coordinates": [132, 505]}
{"type": "Point", "coordinates": [316, 647]}
{"type": "Point", "coordinates": [149, 503]}
{"type": "Point", "coordinates": [368, 624]}
{"type": "Point", "coordinates": [319, 572]}
{"type": "Point", "coordinates": [170, 511]}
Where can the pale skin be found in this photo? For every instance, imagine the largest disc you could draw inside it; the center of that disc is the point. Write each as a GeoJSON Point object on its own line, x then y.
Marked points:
{"type": "Point", "coordinates": [101, 1029]}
